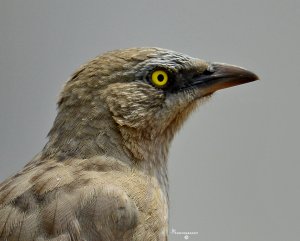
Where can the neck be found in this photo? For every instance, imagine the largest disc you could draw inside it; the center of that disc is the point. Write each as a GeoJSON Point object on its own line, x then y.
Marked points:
{"type": "Point", "coordinates": [82, 134]}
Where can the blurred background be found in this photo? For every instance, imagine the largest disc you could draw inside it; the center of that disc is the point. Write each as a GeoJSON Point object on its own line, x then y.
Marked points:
{"type": "Point", "coordinates": [234, 167]}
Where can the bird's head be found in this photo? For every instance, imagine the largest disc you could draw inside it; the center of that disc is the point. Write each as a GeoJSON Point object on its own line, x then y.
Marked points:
{"type": "Point", "coordinates": [148, 92]}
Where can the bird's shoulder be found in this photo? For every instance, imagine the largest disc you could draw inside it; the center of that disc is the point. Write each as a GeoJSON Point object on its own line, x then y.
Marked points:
{"type": "Point", "coordinates": [82, 198]}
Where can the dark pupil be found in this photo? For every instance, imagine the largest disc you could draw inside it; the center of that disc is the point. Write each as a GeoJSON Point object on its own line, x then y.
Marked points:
{"type": "Point", "coordinates": [160, 77]}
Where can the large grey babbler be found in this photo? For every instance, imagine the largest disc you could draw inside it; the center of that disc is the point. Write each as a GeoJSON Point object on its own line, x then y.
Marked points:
{"type": "Point", "coordinates": [102, 176]}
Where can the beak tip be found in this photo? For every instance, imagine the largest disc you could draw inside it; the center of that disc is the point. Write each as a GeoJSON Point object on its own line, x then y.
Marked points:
{"type": "Point", "coordinates": [251, 76]}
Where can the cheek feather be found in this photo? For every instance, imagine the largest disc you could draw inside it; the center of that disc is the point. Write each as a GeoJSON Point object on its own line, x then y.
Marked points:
{"type": "Point", "coordinates": [133, 104]}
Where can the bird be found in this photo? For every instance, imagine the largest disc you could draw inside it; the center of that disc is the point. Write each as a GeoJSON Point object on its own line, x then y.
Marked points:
{"type": "Point", "coordinates": [102, 175]}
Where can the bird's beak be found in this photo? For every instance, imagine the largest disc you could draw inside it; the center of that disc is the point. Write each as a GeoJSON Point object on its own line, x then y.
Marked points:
{"type": "Point", "coordinates": [219, 76]}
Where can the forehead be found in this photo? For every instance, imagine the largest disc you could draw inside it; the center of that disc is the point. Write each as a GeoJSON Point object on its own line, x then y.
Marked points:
{"type": "Point", "coordinates": [172, 61]}
{"type": "Point", "coordinates": [151, 56]}
{"type": "Point", "coordinates": [169, 56]}
{"type": "Point", "coordinates": [169, 59]}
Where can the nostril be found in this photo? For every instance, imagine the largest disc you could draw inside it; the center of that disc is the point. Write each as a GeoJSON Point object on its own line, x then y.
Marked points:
{"type": "Point", "coordinates": [207, 72]}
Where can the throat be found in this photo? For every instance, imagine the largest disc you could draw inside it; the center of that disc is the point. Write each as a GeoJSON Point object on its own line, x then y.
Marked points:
{"type": "Point", "coordinates": [149, 153]}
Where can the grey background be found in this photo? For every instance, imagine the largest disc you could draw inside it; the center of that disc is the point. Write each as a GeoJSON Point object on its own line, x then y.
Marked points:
{"type": "Point", "coordinates": [234, 167]}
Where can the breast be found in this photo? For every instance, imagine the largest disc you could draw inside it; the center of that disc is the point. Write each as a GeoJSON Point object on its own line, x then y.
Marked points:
{"type": "Point", "coordinates": [151, 202]}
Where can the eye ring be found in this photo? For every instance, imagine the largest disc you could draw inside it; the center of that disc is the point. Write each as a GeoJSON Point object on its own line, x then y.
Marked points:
{"type": "Point", "coordinates": [159, 78]}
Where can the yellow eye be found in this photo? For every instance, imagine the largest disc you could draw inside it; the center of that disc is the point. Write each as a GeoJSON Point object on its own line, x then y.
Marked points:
{"type": "Point", "coordinates": [159, 78]}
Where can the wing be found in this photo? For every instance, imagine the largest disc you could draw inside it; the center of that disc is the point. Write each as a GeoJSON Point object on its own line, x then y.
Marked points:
{"type": "Point", "coordinates": [51, 201]}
